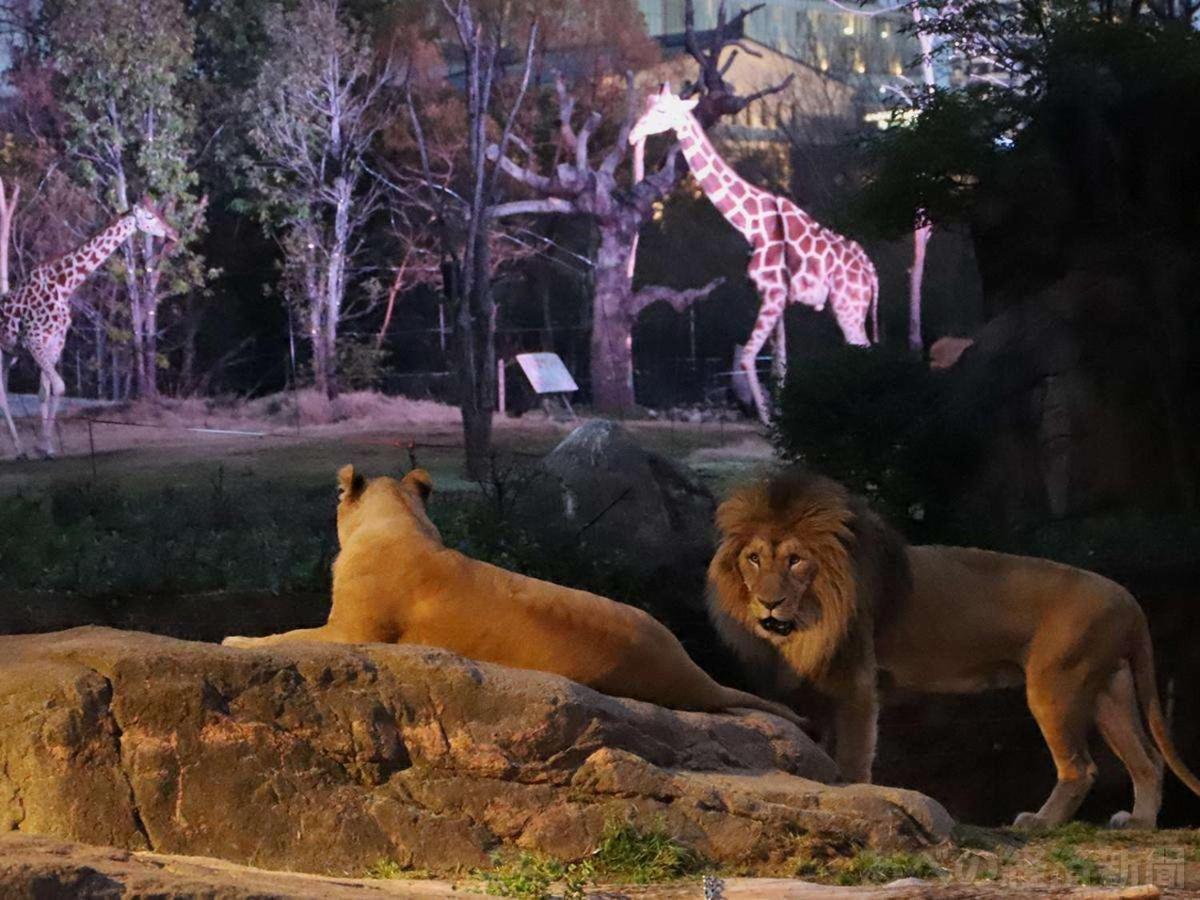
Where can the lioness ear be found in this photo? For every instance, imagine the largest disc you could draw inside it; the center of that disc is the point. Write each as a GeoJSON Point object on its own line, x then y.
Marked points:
{"type": "Point", "coordinates": [350, 485]}
{"type": "Point", "coordinates": [421, 482]}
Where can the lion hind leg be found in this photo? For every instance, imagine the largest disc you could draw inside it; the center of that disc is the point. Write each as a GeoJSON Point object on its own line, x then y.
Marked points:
{"type": "Point", "coordinates": [1063, 713]}
{"type": "Point", "coordinates": [1120, 723]}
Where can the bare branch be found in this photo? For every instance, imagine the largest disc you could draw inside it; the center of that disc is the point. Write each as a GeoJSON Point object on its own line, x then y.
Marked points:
{"type": "Point", "coordinates": [519, 173]}
{"type": "Point", "coordinates": [566, 107]}
{"type": "Point", "coordinates": [528, 207]}
{"type": "Point", "coordinates": [679, 300]}
{"type": "Point", "coordinates": [617, 152]}
{"type": "Point", "coordinates": [502, 148]}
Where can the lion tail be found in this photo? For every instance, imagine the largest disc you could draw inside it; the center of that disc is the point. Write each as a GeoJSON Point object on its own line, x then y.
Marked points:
{"type": "Point", "coordinates": [1147, 692]}
{"type": "Point", "coordinates": [742, 699]}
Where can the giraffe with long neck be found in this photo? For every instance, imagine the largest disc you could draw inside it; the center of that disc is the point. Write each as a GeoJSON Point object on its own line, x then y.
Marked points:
{"type": "Point", "coordinates": [793, 258]}
{"type": "Point", "coordinates": [37, 316]}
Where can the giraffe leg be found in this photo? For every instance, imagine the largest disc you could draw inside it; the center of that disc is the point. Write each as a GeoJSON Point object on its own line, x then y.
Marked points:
{"type": "Point", "coordinates": [850, 308]}
{"type": "Point", "coordinates": [770, 313]}
{"type": "Point", "coordinates": [51, 388]}
{"type": "Point", "coordinates": [779, 354]}
{"type": "Point", "coordinates": [12, 428]}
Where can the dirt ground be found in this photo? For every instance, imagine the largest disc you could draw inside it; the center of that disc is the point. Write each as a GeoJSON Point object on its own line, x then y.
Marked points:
{"type": "Point", "coordinates": [178, 441]}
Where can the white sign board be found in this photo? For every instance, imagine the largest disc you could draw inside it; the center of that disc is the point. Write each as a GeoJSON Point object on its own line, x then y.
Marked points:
{"type": "Point", "coordinates": [546, 373]}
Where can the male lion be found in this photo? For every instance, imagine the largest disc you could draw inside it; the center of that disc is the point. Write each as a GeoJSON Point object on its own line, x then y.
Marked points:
{"type": "Point", "coordinates": [812, 589]}
{"type": "Point", "coordinates": [395, 582]}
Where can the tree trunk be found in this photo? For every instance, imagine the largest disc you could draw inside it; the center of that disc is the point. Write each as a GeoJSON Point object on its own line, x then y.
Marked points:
{"type": "Point", "coordinates": [335, 282]}
{"type": "Point", "coordinates": [916, 276]}
{"type": "Point", "coordinates": [612, 324]}
{"type": "Point", "coordinates": [477, 354]}
{"type": "Point", "coordinates": [148, 389]}
{"type": "Point", "coordinates": [316, 339]}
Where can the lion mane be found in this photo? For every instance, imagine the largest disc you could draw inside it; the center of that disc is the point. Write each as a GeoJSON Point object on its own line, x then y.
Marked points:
{"type": "Point", "coordinates": [823, 603]}
{"type": "Point", "coordinates": [861, 566]}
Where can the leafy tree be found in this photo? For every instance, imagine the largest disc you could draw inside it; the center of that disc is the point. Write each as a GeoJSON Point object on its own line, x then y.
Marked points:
{"type": "Point", "coordinates": [125, 69]}
{"type": "Point", "coordinates": [318, 103]}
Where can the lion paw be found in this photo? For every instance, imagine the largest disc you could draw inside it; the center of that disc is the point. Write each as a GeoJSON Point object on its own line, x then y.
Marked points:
{"type": "Point", "coordinates": [1028, 821]}
{"type": "Point", "coordinates": [1125, 820]}
{"type": "Point", "coordinates": [238, 641]}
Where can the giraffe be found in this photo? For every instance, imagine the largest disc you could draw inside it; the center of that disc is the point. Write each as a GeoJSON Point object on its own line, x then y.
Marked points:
{"type": "Point", "coordinates": [37, 315]}
{"type": "Point", "coordinates": [793, 259]}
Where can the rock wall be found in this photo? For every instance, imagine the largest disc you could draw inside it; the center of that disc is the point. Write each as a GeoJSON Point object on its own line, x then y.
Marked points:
{"type": "Point", "coordinates": [324, 758]}
{"type": "Point", "coordinates": [1076, 399]}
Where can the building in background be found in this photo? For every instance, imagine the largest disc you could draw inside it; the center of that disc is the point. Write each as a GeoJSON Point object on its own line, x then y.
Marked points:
{"type": "Point", "coordinates": [864, 50]}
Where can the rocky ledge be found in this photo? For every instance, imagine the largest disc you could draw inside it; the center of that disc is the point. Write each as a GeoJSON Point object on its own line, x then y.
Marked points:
{"type": "Point", "coordinates": [327, 759]}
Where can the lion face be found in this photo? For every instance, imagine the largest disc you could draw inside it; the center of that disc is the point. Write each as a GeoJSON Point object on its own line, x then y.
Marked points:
{"type": "Point", "coordinates": [779, 578]}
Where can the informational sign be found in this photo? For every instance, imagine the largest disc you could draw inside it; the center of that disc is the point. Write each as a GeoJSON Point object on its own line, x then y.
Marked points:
{"type": "Point", "coordinates": [546, 373]}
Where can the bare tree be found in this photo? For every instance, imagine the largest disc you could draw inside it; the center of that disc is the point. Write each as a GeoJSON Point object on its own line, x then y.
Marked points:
{"type": "Point", "coordinates": [8, 208]}
{"type": "Point", "coordinates": [459, 187]}
{"type": "Point", "coordinates": [584, 183]}
{"type": "Point", "coordinates": [319, 103]}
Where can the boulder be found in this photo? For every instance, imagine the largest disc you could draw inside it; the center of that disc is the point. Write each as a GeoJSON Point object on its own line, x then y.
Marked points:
{"type": "Point", "coordinates": [1077, 398]}
{"type": "Point", "coordinates": [640, 509]}
{"type": "Point", "coordinates": [328, 758]}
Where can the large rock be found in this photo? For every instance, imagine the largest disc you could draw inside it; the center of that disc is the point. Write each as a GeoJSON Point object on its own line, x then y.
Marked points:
{"type": "Point", "coordinates": [1077, 398]}
{"type": "Point", "coordinates": [638, 508]}
{"type": "Point", "coordinates": [325, 758]}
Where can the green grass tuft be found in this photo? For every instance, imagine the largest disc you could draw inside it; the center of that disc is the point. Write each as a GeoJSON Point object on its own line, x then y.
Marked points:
{"type": "Point", "coordinates": [390, 869]}
{"type": "Point", "coordinates": [530, 877]}
{"type": "Point", "coordinates": [869, 867]}
{"type": "Point", "coordinates": [640, 855]}
{"type": "Point", "coordinates": [1082, 869]}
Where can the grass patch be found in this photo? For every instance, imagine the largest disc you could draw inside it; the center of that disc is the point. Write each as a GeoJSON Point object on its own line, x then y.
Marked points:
{"type": "Point", "coordinates": [1082, 869]}
{"type": "Point", "coordinates": [869, 867]}
{"type": "Point", "coordinates": [385, 869]}
{"type": "Point", "coordinates": [531, 877]}
{"type": "Point", "coordinates": [1074, 833]}
{"type": "Point", "coordinates": [640, 855]}
{"type": "Point", "coordinates": [866, 867]}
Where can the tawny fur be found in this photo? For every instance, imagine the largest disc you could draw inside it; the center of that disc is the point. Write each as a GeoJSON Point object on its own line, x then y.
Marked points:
{"type": "Point", "coordinates": [940, 619]}
{"type": "Point", "coordinates": [395, 582]}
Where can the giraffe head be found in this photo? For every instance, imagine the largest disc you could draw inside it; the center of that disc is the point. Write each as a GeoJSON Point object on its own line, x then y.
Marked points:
{"type": "Point", "coordinates": [147, 218]}
{"type": "Point", "coordinates": [664, 112]}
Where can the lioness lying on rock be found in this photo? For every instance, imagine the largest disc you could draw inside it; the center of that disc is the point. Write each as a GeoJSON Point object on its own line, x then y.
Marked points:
{"type": "Point", "coordinates": [395, 582]}
{"type": "Point", "coordinates": [810, 586]}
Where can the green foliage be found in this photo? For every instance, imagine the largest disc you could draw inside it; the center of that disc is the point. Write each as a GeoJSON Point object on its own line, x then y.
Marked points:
{"type": "Point", "coordinates": [1082, 869]}
{"type": "Point", "coordinates": [643, 855]}
{"type": "Point", "coordinates": [360, 362]}
{"type": "Point", "coordinates": [98, 540]}
{"type": "Point", "coordinates": [530, 877]}
{"type": "Point", "coordinates": [873, 419]}
{"type": "Point", "coordinates": [1093, 138]}
{"type": "Point", "coordinates": [388, 869]}
{"type": "Point", "coordinates": [869, 867]}
{"type": "Point", "coordinates": [127, 78]}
